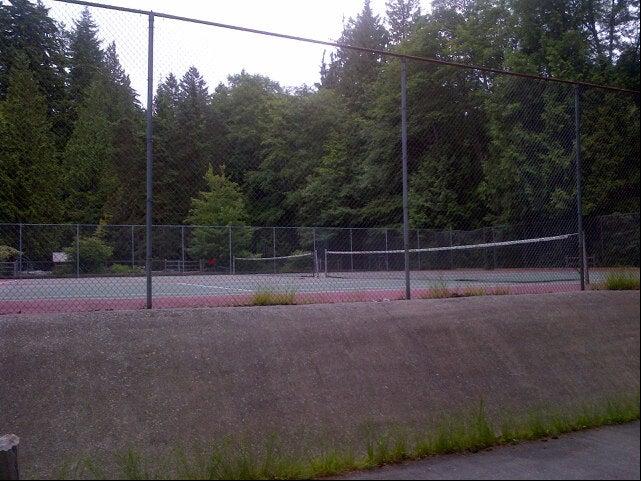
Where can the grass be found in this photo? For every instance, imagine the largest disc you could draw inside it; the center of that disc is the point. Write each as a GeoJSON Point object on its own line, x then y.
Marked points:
{"type": "Point", "coordinates": [125, 269]}
{"type": "Point", "coordinates": [621, 281]}
{"type": "Point", "coordinates": [268, 297]}
{"type": "Point", "coordinates": [441, 291]}
{"type": "Point", "coordinates": [469, 433]}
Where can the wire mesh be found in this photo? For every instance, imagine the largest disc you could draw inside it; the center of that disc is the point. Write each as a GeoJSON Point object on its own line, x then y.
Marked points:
{"type": "Point", "coordinates": [263, 185]}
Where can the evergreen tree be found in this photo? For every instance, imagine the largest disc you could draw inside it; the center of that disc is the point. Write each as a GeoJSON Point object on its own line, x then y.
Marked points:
{"type": "Point", "coordinates": [293, 145]}
{"type": "Point", "coordinates": [352, 72]}
{"type": "Point", "coordinates": [127, 165]}
{"type": "Point", "coordinates": [85, 57]}
{"type": "Point", "coordinates": [401, 16]}
{"type": "Point", "coordinates": [87, 156]}
{"type": "Point", "coordinates": [222, 204]}
{"type": "Point", "coordinates": [482, 148]}
{"type": "Point", "coordinates": [26, 29]}
{"type": "Point", "coordinates": [166, 138]}
{"type": "Point", "coordinates": [192, 116]}
{"type": "Point", "coordinates": [28, 165]}
{"type": "Point", "coordinates": [528, 174]}
{"type": "Point", "coordinates": [186, 135]}
{"type": "Point", "coordinates": [245, 105]}
{"type": "Point", "coordinates": [610, 141]}
{"type": "Point", "coordinates": [104, 161]}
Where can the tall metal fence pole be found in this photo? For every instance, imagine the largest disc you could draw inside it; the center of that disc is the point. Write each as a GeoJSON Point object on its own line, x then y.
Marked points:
{"type": "Point", "coordinates": [132, 246]}
{"type": "Point", "coordinates": [351, 250]}
{"type": "Point", "coordinates": [583, 258]}
{"type": "Point", "coordinates": [386, 249]}
{"type": "Point", "coordinates": [493, 248]}
{"type": "Point", "coordinates": [418, 247]}
{"type": "Point", "coordinates": [150, 155]}
{"type": "Point", "coordinates": [315, 253]}
{"type": "Point", "coordinates": [231, 255]}
{"type": "Point", "coordinates": [182, 248]}
{"type": "Point", "coordinates": [77, 250]}
{"type": "Point", "coordinates": [20, 249]}
{"type": "Point", "coordinates": [133, 249]}
{"type": "Point", "coordinates": [451, 256]}
{"type": "Point", "coordinates": [274, 247]}
{"type": "Point", "coordinates": [406, 227]}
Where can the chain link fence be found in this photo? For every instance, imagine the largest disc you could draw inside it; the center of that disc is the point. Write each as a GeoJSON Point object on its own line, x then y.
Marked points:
{"type": "Point", "coordinates": [262, 193]}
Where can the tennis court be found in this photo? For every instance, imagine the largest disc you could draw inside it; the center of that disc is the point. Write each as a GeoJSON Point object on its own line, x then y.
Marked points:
{"type": "Point", "coordinates": [516, 266]}
{"type": "Point", "coordinates": [93, 293]}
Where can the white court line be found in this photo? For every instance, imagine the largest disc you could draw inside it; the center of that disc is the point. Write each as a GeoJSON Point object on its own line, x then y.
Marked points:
{"type": "Point", "coordinates": [214, 287]}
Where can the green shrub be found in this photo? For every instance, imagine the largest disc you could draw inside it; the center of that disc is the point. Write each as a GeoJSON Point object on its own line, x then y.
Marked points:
{"type": "Point", "coordinates": [619, 281]}
{"type": "Point", "coordinates": [63, 270]}
{"type": "Point", "coordinates": [266, 297]}
{"type": "Point", "coordinates": [94, 254]}
{"type": "Point", "coordinates": [125, 269]}
{"type": "Point", "coordinates": [8, 253]}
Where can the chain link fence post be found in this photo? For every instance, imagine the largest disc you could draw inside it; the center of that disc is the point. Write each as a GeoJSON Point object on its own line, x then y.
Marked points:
{"type": "Point", "coordinates": [583, 258]}
{"type": "Point", "coordinates": [182, 249]}
{"type": "Point", "coordinates": [20, 254]}
{"type": "Point", "coordinates": [150, 157]}
{"type": "Point", "coordinates": [351, 249]}
{"type": "Point", "coordinates": [406, 227]}
{"type": "Point", "coordinates": [231, 254]}
{"type": "Point", "coordinates": [274, 247]}
{"type": "Point", "coordinates": [77, 250]}
{"type": "Point", "coordinates": [451, 256]}
{"type": "Point", "coordinates": [418, 247]}
{"type": "Point", "coordinates": [133, 249]}
{"type": "Point", "coordinates": [316, 270]}
{"type": "Point", "coordinates": [386, 251]}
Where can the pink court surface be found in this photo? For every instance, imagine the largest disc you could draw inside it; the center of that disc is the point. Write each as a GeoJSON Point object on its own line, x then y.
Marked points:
{"type": "Point", "coordinates": [41, 295]}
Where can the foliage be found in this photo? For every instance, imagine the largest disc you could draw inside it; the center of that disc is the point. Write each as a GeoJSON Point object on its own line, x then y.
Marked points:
{"type": "Point", "coordinates": [94, 254]}
{"type": "Point", "coordinates": [28, 158]}
{"type": "Point", "coordinates": [268, 297]}
{"type": "Point", "coordinates": [222, 204]}
{"type": "Point", "coordinates": [482, 148]}
{"type": "Point", "coordinates": [28, 34]}
{"type": "Point", "coordinates": [621, 281]}
{"type": "Point", "coordinates": [8, 253]}
{"type": "Point", "coordinates": [85, 56]}
{"type": "Point", "coordinates": [123, 269]}
{"type": "Point", "coordinates": [402, 16]}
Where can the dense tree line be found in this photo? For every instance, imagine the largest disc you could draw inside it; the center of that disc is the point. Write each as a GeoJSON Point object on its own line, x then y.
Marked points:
{"type": "Point", "coordinates": [483, 148]}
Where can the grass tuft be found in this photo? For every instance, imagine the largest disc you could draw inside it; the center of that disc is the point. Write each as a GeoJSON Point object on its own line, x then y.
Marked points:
{"type": "Point", "coordinates": [457, 434]}
{"type": "Point", "coordinates": [474, 292]}
{"type": "Point", "coordinates": [267, 297]}
{"type": "Point", "coordinates": [620, 281]}
{"type": "Point", "coordinates": [500, 291]}
{"type": "Point", "coordinates": [441, 291]}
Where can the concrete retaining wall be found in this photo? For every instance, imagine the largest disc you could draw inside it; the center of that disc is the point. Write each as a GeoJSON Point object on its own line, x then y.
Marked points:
{"type": "Point", "coordinates": [96, 383]}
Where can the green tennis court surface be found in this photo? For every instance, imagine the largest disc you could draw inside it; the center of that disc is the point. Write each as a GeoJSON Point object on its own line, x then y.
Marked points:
{"type": "Point", "coordinates": [89, 293]}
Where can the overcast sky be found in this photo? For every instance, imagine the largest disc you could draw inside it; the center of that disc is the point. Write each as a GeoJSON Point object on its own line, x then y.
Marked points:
{"type": "Point", "coordinates": [216, 52]}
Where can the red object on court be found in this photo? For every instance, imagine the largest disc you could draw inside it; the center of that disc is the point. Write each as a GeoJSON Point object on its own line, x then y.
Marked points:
{"type": "Point", "coordinates": [212, 262]}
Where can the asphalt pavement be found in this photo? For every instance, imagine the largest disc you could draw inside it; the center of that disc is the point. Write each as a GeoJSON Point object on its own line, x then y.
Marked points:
{"type": "Point", "coordinates": [607, 453]}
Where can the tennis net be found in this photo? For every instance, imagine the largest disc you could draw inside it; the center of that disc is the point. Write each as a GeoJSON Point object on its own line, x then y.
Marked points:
{"type": "Point", "coordinates": [303, 264]}
{"type": "Point", "coordinates": [542, 259]}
